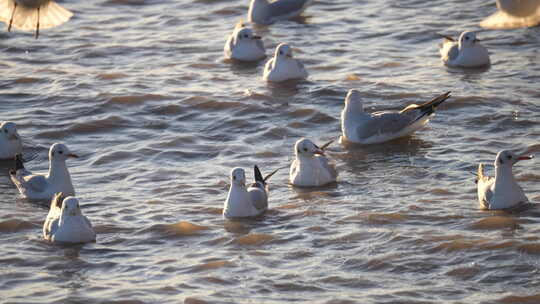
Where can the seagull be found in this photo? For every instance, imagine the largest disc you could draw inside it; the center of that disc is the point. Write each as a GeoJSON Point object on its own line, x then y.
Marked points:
{"type": "Point", "coordinates": [65, 222]}
{"type": "Point", "coordinates": [283, 66]}
{"type": "Point", "coordinates": [30, 15]}
{"type": "Point", "coordinates": [501, 192]}
{"type": "Point", "coordinates": [311, 168]}
{"type": "Point", "coordinates": [243, 45]}
{"type": "Point", "coordinates": [265, 12]}
{"type": "Point", "coordinates": [43, 187]}
{"type": "Point", "coordinates": [250, 202]}
{"type": "Point", "coordinates": [465, 53]}
{"type": "Point", "coordinates": [373, 128]}
{"type": "Point", "coordinates": [10, 141]}
{"type": "Point", "coordinates": [513, 14]}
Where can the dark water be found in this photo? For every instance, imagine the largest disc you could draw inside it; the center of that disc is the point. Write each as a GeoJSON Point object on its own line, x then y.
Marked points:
{"type": "Point", "coordinates": [139, 90]}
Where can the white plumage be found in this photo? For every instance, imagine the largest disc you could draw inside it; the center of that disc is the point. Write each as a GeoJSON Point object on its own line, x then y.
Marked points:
{"type": "Point", "coordinates": [283, 66]}
{"type": "Point", "coordinates": [311, 167]}
{"type": "Point", "coordinates": [65, 222]}
{"type": "Point", "coordinates": [502, 191]}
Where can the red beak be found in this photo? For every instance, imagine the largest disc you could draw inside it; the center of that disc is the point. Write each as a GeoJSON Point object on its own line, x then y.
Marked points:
{"type": "Point", "coordinates": [525, 157]}
{"type": "Point", "coordinates": [73, 155]}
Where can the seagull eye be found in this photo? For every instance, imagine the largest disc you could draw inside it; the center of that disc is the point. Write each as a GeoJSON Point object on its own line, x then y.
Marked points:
{"type": "Point", "coordinates": [281, 52]}
{"type": "Point", "coordinates": [60, 152]}
{"type": "Point", "coordinates": [467, 38]}
{"type": "Point", "coordinates": [234, 177]}
{"type": "Point", "coordinates": [246, 35]}
{"type": "Point", "coordinates": [5, 131]}
{"type": "Point", "coordinates": [509, 156]}
{"type": "Point", "coordinates": [305, 149]}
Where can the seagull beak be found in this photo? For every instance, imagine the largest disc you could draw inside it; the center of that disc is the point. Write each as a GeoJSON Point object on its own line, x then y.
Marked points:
{"type": "Point", "coordinates": [289, 55]}
{"type": "Point", "coordinates": [319, 151]}
{"type": "Point", "coordinates": [525, 157]}
{"type": "Point", "coordinates": [73, 155]}
{"type": "Point", "coordinates": [257, 37]}
{"type": "Point", "coordinates": [476, 40]}
{"type": "Point", "coordinates": [14, 137]}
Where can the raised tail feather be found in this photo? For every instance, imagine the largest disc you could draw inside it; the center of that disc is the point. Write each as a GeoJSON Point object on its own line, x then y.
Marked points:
{"type": "Point", "coordinates": [429, 107]}
{"type": "Point", "coordinates": [480, 173]}
{"type": "Point", "coordinates": [446, 37]}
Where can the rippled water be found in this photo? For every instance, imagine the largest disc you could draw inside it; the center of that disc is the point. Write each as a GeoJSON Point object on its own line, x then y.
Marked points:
{"type": "Point", "coordinates": [139, 89]}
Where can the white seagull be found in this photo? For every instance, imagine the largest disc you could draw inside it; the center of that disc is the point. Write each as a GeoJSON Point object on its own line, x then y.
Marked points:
{"type": "Point", "coordinates": [10, 141]}
{"type": "Point", "coordinates": [243, 45]}
{"type": "Point", "coordinates": [43, 187]}
{"type": "Point", "coordinates": [32, 15]}
{"type": "Point", "coordinates": [373, 128]}
{"type": "Point", "coordinates": [501, 192]}
{"type": "Point", "coordinates": [513, 14]}
{"type": "Point", "coordinates": [311, 168]}
{"type": "Point", "coordinates": [283, 66]}
{"type": "Point", "coordinates": [65, 222]}
{"type": "Point", "coordinates": [266, 12]}
{"type": "Point", "coordinates": [246, 202]}
{"type": "Point", "coordinates": [465, 53]}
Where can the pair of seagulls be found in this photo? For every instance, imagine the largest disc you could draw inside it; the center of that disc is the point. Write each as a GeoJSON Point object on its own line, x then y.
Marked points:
{"type": "Point", "coordinates": [243, 45]}
{"type": "Point", "coordinates": [65, 222]}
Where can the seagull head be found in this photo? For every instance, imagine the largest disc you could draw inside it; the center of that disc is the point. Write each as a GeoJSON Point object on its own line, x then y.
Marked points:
{"type": "Point", "coordinates": [60, 152]}
{"type": "Point", "coordinates": [70, 207]}
{"type": "Point", "coordinates": [238, 177]}
{"type": "Point", "coordinates": [245, 35]}
{"type": "Point", "coordinates": [306, 148]}
{"type": "Point", "coordinates": [467, 38]}
{"type": "Point", "coordinates": [9, 130]}
{"type": "Point", "coordinates": [353, 102]}
{"type": "Point", "coordinates": [507, 158]}
{"type": "Point", "coordinates": [283, 50]}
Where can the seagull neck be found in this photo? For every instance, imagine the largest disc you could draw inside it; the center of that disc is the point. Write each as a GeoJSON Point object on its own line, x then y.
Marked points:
{"type": "Point", "coordinates": [503, 173]}
{"type": "Point", "coordinates": [58, 170]}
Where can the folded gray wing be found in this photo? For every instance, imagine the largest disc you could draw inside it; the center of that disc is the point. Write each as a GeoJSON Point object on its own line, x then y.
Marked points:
{"type": "Point", "coordinates": [382, 123]}
{"type": "Point", "coordinates": [286, 7]}
{"type": "Point", "coordinates": [325, 163]}
{"type": "Point", "coordinates": [258, 198]}
{"type": "Point", "coordinates": [453, 52]}
{"type": "Point", "coordinates": [35, 183]}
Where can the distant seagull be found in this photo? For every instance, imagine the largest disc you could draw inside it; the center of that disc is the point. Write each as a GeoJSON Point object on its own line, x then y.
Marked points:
{"type": "Point", "coordinates": [283, 66]}
{"type": "Point", "coordinates": [65, 222]}
{"type": "Point", "coordinates": [32, 15]}
{"type": "Point", "coordinates": [466, 53]}
{"type": "Point", "coordinates": [266, 12]}
{"type": "Point", "coordinates": [10, 141]}
{"type": "Point", "coordinates": [513, 14]}
{"type": "Point", "coordinates": [501, 192]}
{"type": "Point", "coordinates": [246, 202]}
{"type": "Point", "coordinates": [373, 128]}
{"type": "Point", "coordinates": [311, 168]}
{"type": "Point", "coordinates": [43, 187]}
{"type": "Point", "coordinates": [243, 45]}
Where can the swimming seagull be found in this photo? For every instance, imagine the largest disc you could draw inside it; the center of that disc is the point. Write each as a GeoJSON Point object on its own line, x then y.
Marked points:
{"type": "Point", "coordinates": [10, 141]}
{"type": "Point", "coordinates": [43, 187]}
{"type": "Point", "coordinates": [32, 15]}
{"type": "Point", "coordinates": [65, 222]}
{"type": "Point", "coordinates": [246, 202]}
{"type": "Point", "coordinates": [501, 192]}
{"type": "Point", "coordinates": [513, 14]}
{"type": "Point", "coordinates": [243, 45]}
{"type": "Point", "coordinates": [466, 53]}
{"type": "Point", "coordinates": [311, 168]}
{"type": "Point", "coordinates": [283, 66]}
{"type": "Point", "coordinates": [266, 12]}
{"type": "Point", "coordinates": [373, 128]}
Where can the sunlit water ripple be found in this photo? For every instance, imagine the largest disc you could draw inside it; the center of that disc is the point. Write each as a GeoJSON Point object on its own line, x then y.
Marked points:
{"type": "Point", "coordinates": [140, 91]}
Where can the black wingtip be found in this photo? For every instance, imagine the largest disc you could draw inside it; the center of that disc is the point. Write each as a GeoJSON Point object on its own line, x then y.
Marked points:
{"type": "Point", "coordinates": [258, 175]}
{"type": "Point", "coordinates": [18, 162]}
{"type": "Point", "coordinates": [446, 37]}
